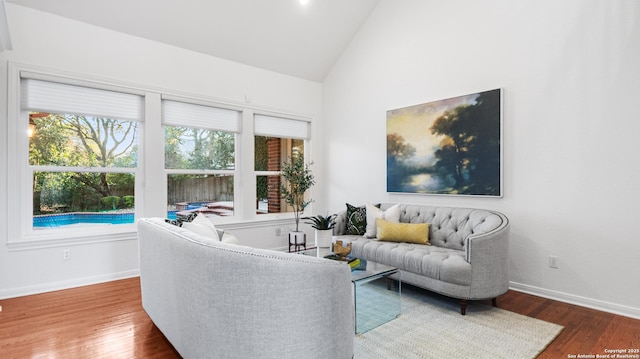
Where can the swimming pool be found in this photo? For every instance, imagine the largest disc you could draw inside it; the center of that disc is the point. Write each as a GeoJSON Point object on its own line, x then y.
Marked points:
{"type": "Point", "coordinates": [65, 219]}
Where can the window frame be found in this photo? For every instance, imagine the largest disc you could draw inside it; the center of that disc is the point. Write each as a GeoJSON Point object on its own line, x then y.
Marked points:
{"type": "Point", "coordinates": [201, 124]}
{"type": "Point", "coordinates": [297, 133]}
{"type": "Point", "coordinates": [150, 196]}
{"type": "Point", "coordinates": [23, 235]}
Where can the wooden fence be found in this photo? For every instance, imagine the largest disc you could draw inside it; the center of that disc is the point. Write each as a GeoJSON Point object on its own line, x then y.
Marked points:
{"type": "Point", "coordinates": [201, 189]}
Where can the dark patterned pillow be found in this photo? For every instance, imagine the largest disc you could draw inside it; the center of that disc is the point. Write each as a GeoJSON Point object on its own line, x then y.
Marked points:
{"type": "Point", "coordinates": [356, 220]}
{"type": "Point", "coordinates": [181, 219]}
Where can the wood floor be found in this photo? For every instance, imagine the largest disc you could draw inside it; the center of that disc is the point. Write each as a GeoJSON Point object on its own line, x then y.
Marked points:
{"type": "Point", "coordinates": [107, 321]}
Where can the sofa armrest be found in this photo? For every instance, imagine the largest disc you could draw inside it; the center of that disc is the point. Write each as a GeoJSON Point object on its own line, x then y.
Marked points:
{"type": "Point", "coordinates": [488, 254]}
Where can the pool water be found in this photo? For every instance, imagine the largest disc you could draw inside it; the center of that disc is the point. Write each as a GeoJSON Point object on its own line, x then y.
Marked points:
{"type": "Point", "coordinates": [65, 219]}
{"type": "Point", "coordinates": [195, 205]}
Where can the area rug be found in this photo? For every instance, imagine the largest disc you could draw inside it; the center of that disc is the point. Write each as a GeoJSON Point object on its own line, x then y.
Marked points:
{"type": "Point", "coordinates": [431, 326]}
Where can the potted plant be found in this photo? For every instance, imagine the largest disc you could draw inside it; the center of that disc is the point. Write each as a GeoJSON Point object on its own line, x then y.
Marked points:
{"type": "Point", "coordinates": [297, 180]}
{"type": "Point", "coordinates": [324, 228]}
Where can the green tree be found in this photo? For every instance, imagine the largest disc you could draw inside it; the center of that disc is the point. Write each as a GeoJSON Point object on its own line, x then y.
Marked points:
{"type": "Point", "coordinates": [111, 202]}
{"type": "Point", "coordinates": [80, 141]}
{"type": "Point", "coordinates": [48, 145]}
{"type": "Point", "coordinates": [172, 143]}
{"type": "Point", "coordinates": [261, 161]}
{"type": "Point", "coordinates": [128, 201]}
{"type": "Point", "coordinates": [102, 141]}
{"type": "Point", "coordinates": [194, 148]}
{"type": "Point", "coordinates": [211, 149]}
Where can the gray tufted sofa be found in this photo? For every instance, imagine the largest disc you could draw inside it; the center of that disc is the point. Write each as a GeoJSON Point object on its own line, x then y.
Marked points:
{"type": "Point", "coordinates": [213, 299]}
{"type": "Point", "coordinates": [467, 258]}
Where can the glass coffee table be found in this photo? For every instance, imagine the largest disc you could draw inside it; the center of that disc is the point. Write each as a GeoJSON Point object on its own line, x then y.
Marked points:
{"type": "Point", "coordinates": [377, 298]}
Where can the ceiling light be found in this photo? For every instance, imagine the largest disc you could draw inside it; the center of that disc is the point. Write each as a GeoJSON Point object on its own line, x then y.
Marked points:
{"type": "Point", "coordinates": [303, 2]}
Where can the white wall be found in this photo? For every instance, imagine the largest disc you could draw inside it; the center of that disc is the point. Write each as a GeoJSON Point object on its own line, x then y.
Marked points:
{"type": "Point", "coordinates": [571, 81]}
{"type": "Point", "coordinates": [45, 40]}
{"type": "Point", "coordinates": [570, 78]}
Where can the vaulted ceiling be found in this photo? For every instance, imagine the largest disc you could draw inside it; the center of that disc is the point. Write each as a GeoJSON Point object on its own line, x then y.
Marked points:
{"type": "Point", "coordinates": [278, 35]}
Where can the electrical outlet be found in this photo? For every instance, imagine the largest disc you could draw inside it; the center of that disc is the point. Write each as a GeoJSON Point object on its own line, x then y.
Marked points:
{"type": "Point", "coordinates": [66, 254]}
{"type": "Point", "coordinates": [278, 232]}
{"type": "Point", "coordinates": [553, 262]}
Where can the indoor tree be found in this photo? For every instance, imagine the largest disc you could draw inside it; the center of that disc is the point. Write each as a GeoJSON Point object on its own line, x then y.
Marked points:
{"type": "Point", "coordinates": [297, 180]}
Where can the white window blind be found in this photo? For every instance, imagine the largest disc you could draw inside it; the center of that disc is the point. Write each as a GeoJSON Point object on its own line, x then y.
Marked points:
{"type": "Point", "coordinates": [176, 113]}
{"type": "Point", "coordinates": [281, 127]}
{"type": "Point", "coordinates": [53, 97]}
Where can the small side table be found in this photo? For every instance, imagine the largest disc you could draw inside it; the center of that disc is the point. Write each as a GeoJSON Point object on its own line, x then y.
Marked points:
{"type": "Point", "coordinates": [298, 240]}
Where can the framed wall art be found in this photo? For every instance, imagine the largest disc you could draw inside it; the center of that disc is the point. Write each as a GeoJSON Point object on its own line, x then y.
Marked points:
{"type": "Point", "coordinates": [451, 146]}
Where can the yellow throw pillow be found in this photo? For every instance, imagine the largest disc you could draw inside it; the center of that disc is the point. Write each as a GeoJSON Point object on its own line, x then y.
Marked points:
{"type": "Point", "coordinates": [403, 232]}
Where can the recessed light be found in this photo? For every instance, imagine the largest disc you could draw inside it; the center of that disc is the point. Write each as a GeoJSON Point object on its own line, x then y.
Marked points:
{"type": "Point", "coordinates": [303, 2]}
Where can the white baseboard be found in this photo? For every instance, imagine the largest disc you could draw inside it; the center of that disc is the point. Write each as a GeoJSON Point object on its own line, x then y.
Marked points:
{"type": "Point", "coordinates": [66, 284]}
{"type": "Point", "coordinates": [604, 306]}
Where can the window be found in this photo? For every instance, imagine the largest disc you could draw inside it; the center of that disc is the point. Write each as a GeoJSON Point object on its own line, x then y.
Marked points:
{"type": "Point", "coordinates": [276, 141]}
{"type": "Point", "coordinates": [83, 153]}
{"type": "Point", "coordinates": [98, 155]}
{"type": "Point", "coordinates": [200, 157]}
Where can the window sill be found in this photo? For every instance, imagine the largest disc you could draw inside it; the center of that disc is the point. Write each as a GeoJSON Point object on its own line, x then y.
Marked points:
{"type": "Point", "coordinates": [67, 237]}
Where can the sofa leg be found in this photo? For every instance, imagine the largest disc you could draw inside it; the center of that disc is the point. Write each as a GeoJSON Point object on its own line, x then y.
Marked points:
{"type": "Point", "coordinates": [494, 302]}
{"type": "Point", "coordinates": [463, 306]}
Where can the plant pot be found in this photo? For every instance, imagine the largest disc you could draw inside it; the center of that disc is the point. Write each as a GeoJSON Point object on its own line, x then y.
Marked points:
{"type": "Point", "coordinates": [324, 238]}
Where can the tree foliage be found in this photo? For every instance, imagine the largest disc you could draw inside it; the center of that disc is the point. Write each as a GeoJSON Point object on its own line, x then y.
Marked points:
{"type": "Point", "coordinates": [64, 140]}
{"type": "Point", "coordinates": [261, 164]}
{"type": "Point", "coordinates": [201, 149]}
{"type": "Point", "coordinates": [297, 180]}
{"type": "Point", "coordinates": [111, 202]}
{"type": "Point", "coordinates": [195, 148]}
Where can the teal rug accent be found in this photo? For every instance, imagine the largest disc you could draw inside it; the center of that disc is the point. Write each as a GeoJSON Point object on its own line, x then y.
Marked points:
{"type": "Point", "coordinates": [431, 326]}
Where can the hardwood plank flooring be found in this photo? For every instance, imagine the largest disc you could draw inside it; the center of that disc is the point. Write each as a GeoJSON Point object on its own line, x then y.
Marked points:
{"type": "Point", "coordinates": [107, 321]}
{"type": "Point", "coordinates": [587, 332]}
{"type": "Point", "coordinates": [98, 321]}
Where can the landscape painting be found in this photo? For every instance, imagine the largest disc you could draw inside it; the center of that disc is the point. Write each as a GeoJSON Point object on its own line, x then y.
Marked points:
{"type": "Point", "coordinates": [451, 146]}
